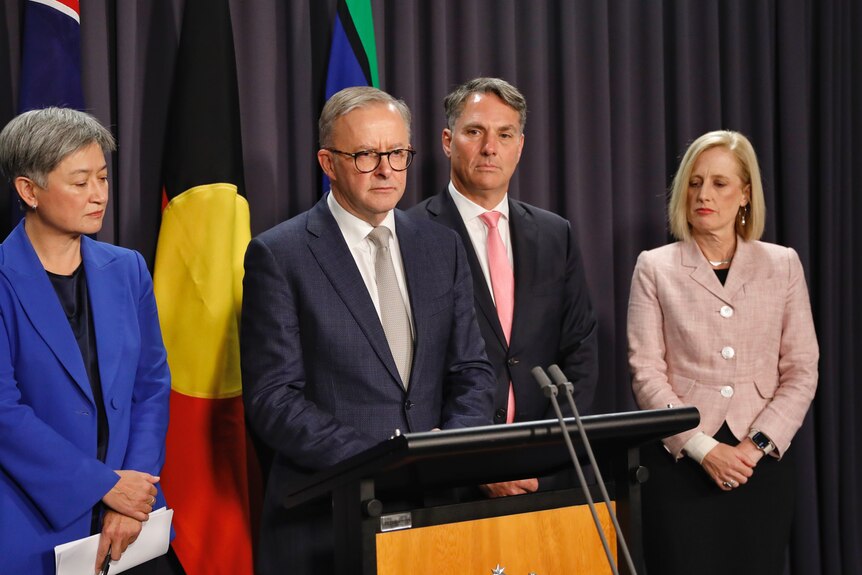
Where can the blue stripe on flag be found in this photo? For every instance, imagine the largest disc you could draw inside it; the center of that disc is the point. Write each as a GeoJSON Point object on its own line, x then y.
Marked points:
{"type": "Point", "coordinates": [344, 69]}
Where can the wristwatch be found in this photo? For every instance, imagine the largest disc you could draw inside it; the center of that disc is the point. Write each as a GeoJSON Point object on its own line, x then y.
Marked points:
{"type": "Point", "coordinates": [762, 441]}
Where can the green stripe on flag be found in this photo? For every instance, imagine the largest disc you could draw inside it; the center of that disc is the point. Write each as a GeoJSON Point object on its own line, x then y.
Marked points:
{"type": "Point", "coordinates": [363, 20]}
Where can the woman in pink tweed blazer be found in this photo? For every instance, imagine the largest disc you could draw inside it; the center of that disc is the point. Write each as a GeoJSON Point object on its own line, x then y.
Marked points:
{"type": "Point", "coordinates": [721, 321]}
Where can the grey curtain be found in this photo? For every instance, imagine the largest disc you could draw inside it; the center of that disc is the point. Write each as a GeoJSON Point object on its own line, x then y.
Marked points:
{"type": "Point", "coordinates": [616, 90]}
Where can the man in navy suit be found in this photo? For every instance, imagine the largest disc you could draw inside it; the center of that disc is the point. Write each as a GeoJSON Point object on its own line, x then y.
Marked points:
{"type": "Point", "coordinates": [551, 319]}
{"type": "Point", "coordinates": [325, 373]}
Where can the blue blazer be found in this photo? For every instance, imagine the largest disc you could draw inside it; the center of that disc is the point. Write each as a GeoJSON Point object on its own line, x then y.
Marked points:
{"type": "Point", "coordinates": [319, 381]}
{"type": "Point", "coordinates": [50, 478]}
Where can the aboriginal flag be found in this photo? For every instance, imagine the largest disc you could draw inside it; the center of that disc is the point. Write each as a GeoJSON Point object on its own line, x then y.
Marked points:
{"type": "Point", "coordinates": [198, 285]}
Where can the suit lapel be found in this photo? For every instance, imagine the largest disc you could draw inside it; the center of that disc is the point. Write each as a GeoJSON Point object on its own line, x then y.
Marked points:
{"type": "Point", "coordinates": [417, 265]}
{"type": "Point", "coordinates": [443, 210]}
{"type": "Point", "coordinates": [108, 301]}
{"type": "Point", "coordinates": [741, 270]}
{"type": "Point", "coordinates": [525, 251]}
{"type": "Point", "coordinates": [704, 274]}
{"type": "Point", "coordinates": [42, 306]}
{"type": "Point", "coordinates": [329, 249]}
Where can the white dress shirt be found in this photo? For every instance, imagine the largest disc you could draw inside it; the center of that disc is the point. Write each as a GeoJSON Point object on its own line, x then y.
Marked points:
{"type": "Point", "coordinates": [478, 231]}
{"type": "Point", "coordinates": [355, 232]}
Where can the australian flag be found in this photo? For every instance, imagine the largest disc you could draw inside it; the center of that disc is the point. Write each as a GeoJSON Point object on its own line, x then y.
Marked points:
{"type": "Point", "coordinates": [51, 55]}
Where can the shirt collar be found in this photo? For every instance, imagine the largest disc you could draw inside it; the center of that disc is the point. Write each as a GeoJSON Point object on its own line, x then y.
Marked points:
{"type": "Point", "coordinates": [470, 209]}
{"type": "Point", "coordinates": [354, 229]}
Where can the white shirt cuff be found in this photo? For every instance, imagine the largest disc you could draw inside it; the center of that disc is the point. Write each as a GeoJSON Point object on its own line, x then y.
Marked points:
{"type": "Point", "coordinates": [698, 446]}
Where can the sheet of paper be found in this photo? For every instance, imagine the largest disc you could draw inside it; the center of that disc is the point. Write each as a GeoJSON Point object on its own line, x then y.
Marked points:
{"type": "Point", "coordinates": [79, 556]}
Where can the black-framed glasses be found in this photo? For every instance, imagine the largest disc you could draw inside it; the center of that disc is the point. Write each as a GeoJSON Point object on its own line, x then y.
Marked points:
{"type": "Point", "coordinates": [367, 161]}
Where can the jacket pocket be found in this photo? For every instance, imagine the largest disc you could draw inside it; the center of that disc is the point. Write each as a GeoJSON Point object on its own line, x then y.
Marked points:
{"type": "Point", "coordinates": [440, 304]}
{"type": "Point", "coordinates": [681, 386]}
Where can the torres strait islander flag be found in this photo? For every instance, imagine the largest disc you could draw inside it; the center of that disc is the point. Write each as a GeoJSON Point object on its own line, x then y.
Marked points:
{"type": "Point", "coordinates": [353, 53]}
{"type": "Point", "coordinates": [198, 286]}
{"type": "Point", "coordinates": [51, 55]}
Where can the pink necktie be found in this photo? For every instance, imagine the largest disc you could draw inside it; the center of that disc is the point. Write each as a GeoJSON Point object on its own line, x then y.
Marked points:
{"type": "Point", "coordinates": [503, 284]}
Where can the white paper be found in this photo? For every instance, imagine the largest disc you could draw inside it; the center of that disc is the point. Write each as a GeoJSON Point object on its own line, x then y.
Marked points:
{"type": "Point", "coordinates": [77, 557]}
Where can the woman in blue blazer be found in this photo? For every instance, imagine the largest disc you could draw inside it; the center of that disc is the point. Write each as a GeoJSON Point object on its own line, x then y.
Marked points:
{"type": "Point", "coordinates": [84, 381]}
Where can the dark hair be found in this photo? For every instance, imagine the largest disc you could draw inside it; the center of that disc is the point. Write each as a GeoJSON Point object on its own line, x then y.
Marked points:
{"type": "Point", "coordinates": [454, 102]}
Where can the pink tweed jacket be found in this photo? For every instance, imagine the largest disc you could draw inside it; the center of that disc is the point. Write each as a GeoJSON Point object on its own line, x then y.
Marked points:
{"type": "Point", "coordinates": [745, 352]}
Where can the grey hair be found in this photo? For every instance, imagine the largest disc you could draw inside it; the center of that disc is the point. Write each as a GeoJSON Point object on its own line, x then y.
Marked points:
{"type": "Point", "coordinates": [345, 101]}
{"type": "Point", "coordinates": [35, 142]}
{"type": "Point", "coordinates": [454, 102]}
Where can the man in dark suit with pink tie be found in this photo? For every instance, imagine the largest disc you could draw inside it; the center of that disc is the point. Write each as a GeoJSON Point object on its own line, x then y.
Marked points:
{"type": "Point", "coordinates": [357, 321]}
{"type": "Point", "coordinates": [531, 295]}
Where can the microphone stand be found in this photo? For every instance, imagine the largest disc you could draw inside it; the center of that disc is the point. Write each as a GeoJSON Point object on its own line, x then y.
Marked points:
{"type": "Point", "coordinates": [550, 392]}
{"type": "Point", "coordinates": [563, 383]}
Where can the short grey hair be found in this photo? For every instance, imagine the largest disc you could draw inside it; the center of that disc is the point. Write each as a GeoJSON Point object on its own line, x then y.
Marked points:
{"type": "Point", "coordinates": [35, 142]}
{"type": "Point", "coordinates": [454, 102]}
{"type": "Point", "coordinates": [345, 101]}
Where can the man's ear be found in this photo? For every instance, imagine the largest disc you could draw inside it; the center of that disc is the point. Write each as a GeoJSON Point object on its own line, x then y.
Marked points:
{"type": "Point", "coordinates": [446, 140]}
{"type": "Point", "coordinates": [327, 163]}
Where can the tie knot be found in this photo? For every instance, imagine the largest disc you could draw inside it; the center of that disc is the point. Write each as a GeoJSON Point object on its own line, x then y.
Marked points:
{"type": "Point", "coordinates": [491, 219]}
{"type": "Point", "coordinates": [379, 236]}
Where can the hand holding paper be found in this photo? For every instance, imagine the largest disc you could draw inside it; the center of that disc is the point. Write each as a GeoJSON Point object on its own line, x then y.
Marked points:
{"type": "Point", "coordinates": [118, 531]}
{"type": "Point", "coordinates": [79, 556]}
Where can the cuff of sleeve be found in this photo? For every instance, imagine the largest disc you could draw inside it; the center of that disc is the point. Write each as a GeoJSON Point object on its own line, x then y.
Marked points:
{"type": "Point", "coordinates": [698, 446]}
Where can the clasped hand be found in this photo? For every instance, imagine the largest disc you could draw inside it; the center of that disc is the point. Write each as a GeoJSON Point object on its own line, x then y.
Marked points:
{"type": "Point", "coordinates": [731, 466]}
{"type": "Point", "coordinates": [129, 504]}
{"type": "Point", "coordinates": [508, 488]}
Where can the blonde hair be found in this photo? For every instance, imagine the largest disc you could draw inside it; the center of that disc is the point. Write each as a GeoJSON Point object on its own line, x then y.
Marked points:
{"type": "Point", "coordinates": [749, 171]}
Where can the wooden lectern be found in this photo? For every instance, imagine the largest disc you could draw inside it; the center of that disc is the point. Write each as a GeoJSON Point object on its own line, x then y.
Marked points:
{"type": "Point", "coordinates": [395, 510]}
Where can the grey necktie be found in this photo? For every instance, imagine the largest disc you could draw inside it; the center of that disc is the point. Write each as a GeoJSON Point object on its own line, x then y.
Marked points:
{"type": "Point", "coordinates": [393, 312]}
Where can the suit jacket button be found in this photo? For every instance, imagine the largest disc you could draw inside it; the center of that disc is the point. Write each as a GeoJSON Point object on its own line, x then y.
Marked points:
{"type": "Point", "coordinates": [726, 311]}
{"type": "Point", "coordinates": [500, 415]}
{"type": "Point", "coordinates": [408, 405]}
{"type": "Point", "coordinates": [514, 361]}
{"type": "Point", "coordinates": [728, 352]}
{"type": "Point", "coordinates": [727, 391]}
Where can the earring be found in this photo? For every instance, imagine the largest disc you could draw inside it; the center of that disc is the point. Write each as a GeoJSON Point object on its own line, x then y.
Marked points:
{"type": "Point", "coordinates": [34, 206]}
{"type": "Point", "coordinates": [743, 211]}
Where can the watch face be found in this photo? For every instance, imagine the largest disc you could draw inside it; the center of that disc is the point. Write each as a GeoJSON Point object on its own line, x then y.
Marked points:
{"type": "Point", "coordinates": [760, 440]}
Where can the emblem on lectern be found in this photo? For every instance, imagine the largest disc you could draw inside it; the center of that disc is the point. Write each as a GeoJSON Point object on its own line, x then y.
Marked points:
{"type": "Point", "coordinates": [498, 570]}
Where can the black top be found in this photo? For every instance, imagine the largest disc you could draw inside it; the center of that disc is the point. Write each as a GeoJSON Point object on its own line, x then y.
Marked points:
{"type": "Point", "coordinates": [722, 275]}
{"type": "Point", "coordinates": [73, 295]}
{"type": "Point", "coordinates": [72, 291]}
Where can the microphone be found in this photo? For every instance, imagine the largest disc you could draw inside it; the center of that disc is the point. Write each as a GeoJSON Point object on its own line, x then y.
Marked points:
{"type": "Point", "coordinates": [564, 384]}
{"type": "Point", "coordinates": [550, 392]}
